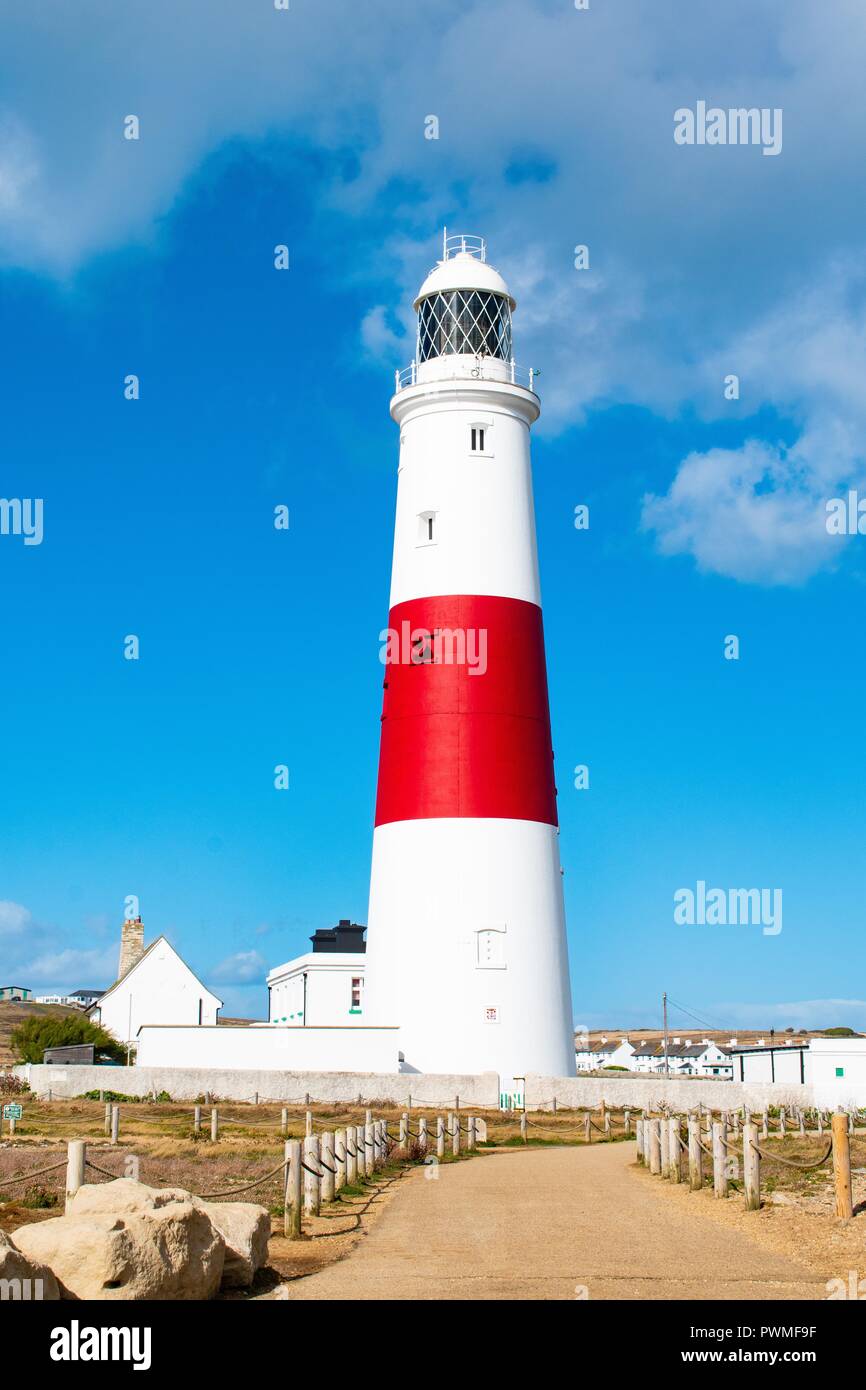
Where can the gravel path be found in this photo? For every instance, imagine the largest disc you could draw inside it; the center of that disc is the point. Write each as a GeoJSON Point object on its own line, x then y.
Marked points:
{"type": "Point", "coordinates": [547, 1224]}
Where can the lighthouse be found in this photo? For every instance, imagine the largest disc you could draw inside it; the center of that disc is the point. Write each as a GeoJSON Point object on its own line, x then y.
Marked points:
{"type": "Point", "coordinates": [466, 928]}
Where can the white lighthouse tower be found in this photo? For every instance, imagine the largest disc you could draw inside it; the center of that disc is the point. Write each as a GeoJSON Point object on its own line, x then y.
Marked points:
{"type": "Point", "coordinates": [466, 926]}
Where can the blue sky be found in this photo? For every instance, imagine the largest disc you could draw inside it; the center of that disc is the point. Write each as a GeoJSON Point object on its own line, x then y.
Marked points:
{"type": "Point", "coordinates": [261, 388]}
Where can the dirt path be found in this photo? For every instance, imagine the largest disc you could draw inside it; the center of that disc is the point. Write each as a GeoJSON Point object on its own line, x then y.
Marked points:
{"type": "Point", "coordinates": [544, 1223]}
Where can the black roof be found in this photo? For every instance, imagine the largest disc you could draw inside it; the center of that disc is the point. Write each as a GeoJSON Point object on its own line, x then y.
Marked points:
{"type": "Point", "coordinates": [346, 937]}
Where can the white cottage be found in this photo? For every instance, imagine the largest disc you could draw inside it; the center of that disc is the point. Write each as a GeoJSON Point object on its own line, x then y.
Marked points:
{"type": "Point", "coordinates": [325, 986]}
{"type": "Point", "coordinates": [157, 987]}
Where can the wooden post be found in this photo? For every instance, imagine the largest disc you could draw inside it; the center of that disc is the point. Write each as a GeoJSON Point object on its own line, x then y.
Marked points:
{"type": "Point", "coordinates": [626, 1120]}
{"type": "Point", "coordinates": [674, 1149]}
{"type": "Point", "coordinates": [326, 1156]}
{"type": "Point", "coordinates": [108, 1117]}
{"type": "Point", "coordinates": [665, 1146]}
{"type": "Point", "coordinates": [76, 1158]}
{"type": "Point", "coordinates": [455, 1133]}
{"type": "Point", "coordinates": [292, 1195]}
{"type": "Point", "coordinates": [308, 1123]}
{"type": "Point", "coordinates": [523, 1125]}
{"type": "Point", "coordinates": [782, 1121]}
{"type": "Point", "coordinates": [312, 1182]}
{"type": "Point", "coordinates": [470, 1138]}
{"type": "Point", "coordinates": [214, 1125]}
{"type": "Point", "coordinates": [606, 1118]}
{"type": "Point", "coordinates": [720, 1166]}
{"type": "Point", "coordinates": [368, 1117]}
{"type": "Point", "coordinates": [765, 1125]}
{"type": "Point", "coordinates": [587, 1127]}
{"type": "Point", "coordinates": [340, 1159]}
{"type": "Point", "coordinates": [655, 1150]}
{"type": "Point", "coordinates": [404, 1132]}
{"type": "Point", "coordinates": [820, 1117]}
{"type": "Point", "coordinates": [850, 1121]}
{"type": "Point", "coordinates": [115, 1123]}
{"type": "Point", "coordinates": [639, 1136]}
{"type": "Point", "coordinates": [361, 1151]}
{"type": "Point", "coordinates": [422, 1134]}
{"type": "Point", "coordinates": [12, 1126]}
{"type": "Point", "coordinates": [369, 1149]}
{"type": "Point", "coordinates": [842, 1166]}
{"type": "Point", "coordinates": [751, 1167]}
{"type": "Point", "coordinates": [696, 1155]}
{"type": "Point", "coordinates": [440, 1136]}
{"type": "Point", "coordinates": [351, 1157]}
{"type": "Point", "coordinates": [802, 1118]}
{"type": "Point", "coordinates": [284, 1122]}
{"type": "Point", "coordinates": [256, 1098]}
{"type": "Point", "coordinates": [196, 1120]}
{"type": "Point", "coordinates": [554, 1105]}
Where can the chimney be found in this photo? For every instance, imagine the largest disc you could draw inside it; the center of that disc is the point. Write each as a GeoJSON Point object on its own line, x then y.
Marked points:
{"type": "Point", "coordinates": [131, 944]}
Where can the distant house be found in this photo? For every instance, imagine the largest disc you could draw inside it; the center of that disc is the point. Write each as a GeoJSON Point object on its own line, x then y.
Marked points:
{"type": "Point", "coordinates": [325, 986]}
{"type": "Point", "coordinates": [604, 1053]}
{"type": "Point", "coordinates": [85, 998]}
{"type": "Point", "coordinates": [157, 987]}
{"type": "Point", "coordinates": [15, 992]}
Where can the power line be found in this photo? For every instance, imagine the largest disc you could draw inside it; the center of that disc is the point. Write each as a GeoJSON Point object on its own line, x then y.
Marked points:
{"type": "Point", "coordinates": [718, 1027]}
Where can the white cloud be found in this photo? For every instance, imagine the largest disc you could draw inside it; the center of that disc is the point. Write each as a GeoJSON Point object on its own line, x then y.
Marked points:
{"type": "Point", "coordinates": [240, 968]}
{"type": "Point", "coordinates": [13, 918]}
{"type": "Point", "coordinates": [62, 970]}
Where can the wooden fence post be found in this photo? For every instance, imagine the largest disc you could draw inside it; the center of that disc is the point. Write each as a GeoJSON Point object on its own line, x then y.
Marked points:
{"type": "Point", "coordinates": [655, 1152]}
{"type": "Point", "coordinates": [351, 1157]}
{"type": "Point", "coordinates": [440, 1136]}
{"type": "Point", "coordinates": [842, 1166]}
{"type": "Point", "coordinates": [292, 1194]}
{"type": "Point", "coordinates": [214, 1125]}
{"type": "Point", "coordinates": [470, 1138]}
{"type": "Point", "coordinates": [675, 1171]}
{"type": "Point", "coordinates": [455, 1133]}
{"type": "Point", "coordinates": [523, 1125]}
{"type": "Point", "coordinates": [782, 1120]}
{"type": "Point", "coordinates": [76, 1158]}
{"type": "Point", "coordinates": [626, 1121]}
{"type": "Point", "coordinates": [312, 1182]}
{"type": "Point", "coordinates": [639, 1136]}
{"type": "Point", "coordinates": [340, 1156]}
{"type": "Point", "coordinates": [765, 1126]}
{"type": "Point", "coordinates": [720, 1156]}
{"type": "Point", "coordinates": [751, 1167]}
{"type": "Point", "coordinates": [196, 1120]}
{"type": "Point", "coordinates": [820, 1118]}
{"type": "Point", "coordinates": [326, 1155]}
{"type": "Point", "coordinates": [284, 1121]}
{"type": "Point", "coordinates": [587, 1127]}
{"type": "Point", "coordinates": [696, 1155]}
{"type": "Point", "coordinates": [404, 1132]}
{"type": "Point", "coordinates": [360, 1152]}
{"type": "Point", "coordinates": [665, 1146]}
{"type": "Point", "coordinates": [115, 1123]}
{"type": "Point", "coordinates": [108, 1117]}
{"type": "Point", "coordinates": [802, 1119]}
{"type": "Point", "coordinates": [369, 1149]}
{"type": "Point", "coordinates": [422, 1134]}
{"type": "Point", "coordinates": [308, 1123]}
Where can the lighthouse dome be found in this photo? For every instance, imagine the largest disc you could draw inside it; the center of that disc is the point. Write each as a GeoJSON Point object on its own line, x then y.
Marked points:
{"type": "Point", "coordinates": [464, 305]}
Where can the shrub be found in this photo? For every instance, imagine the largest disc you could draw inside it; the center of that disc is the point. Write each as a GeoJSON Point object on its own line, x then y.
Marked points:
{"type": "Point", "coordinates": [30, 1039]}
{"type": "Point", "coordinates": [13, 1085]}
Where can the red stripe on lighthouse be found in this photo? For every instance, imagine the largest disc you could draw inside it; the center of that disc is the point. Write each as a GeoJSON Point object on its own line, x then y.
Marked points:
{"type": "Point", "coordinates": [471, 736]}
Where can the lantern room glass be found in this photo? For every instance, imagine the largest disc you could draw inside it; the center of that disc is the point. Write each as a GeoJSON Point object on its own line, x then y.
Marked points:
{"type": "Point", "coordinates": [473, 322]}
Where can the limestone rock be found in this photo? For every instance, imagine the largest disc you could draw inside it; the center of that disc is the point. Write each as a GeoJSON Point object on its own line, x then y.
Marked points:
{"type": "Point", "coordinates": [246, 1229]}
{"type": "Point", "coordinates": [123, 1240]}
{"type": "Point", "coordinates": [21, 1278]}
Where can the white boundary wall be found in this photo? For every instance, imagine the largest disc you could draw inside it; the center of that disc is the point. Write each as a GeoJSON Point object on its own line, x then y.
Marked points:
{"type": "Point", "coordinates": [187, 1083]}
{"type": "Point", "coordinates": [644, 1092]}
{"type": "Point", "coordinates": [270, 1047]}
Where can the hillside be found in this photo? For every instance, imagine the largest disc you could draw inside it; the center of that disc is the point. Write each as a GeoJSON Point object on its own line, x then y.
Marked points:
{"type": "Point", "coordinates": [14, 1012]}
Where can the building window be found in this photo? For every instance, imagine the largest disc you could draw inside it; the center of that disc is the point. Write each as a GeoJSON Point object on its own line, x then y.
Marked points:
{"type": "Point", "coordinates": [477, 439]}
{"type": "Point", "coordinates": [490, 948]}
{"type": "Point", "coordinates": [200, 1006]}
{"type": "Point", "coordinates": [357, 990]}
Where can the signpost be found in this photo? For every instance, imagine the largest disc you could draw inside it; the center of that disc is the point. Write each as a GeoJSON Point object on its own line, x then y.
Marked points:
{"type": "Point", "coordinates": [12, 1112]}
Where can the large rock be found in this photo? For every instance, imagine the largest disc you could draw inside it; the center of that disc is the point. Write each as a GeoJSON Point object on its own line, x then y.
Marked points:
{"type": "Point", "coordinates": [123, 1240]}
{"type": "Point", "coordinates": [246, 1230]}
{"type": "Point", "coordinates": [21, 1278]}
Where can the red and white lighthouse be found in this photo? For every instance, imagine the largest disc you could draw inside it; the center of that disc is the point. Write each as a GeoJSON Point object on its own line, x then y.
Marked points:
{"type": "Point", "coordinates": [466, 928]}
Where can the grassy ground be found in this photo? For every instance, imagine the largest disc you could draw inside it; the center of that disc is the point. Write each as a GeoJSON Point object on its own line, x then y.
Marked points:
{"type": "Point", "coordinates": [12, 1014]}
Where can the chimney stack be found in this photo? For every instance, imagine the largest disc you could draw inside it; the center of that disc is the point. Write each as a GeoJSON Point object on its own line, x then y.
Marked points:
{"type": "Point", "coordinates": [131, 944]}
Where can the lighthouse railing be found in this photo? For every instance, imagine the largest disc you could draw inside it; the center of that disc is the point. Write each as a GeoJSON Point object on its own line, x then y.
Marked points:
{"type": "Point", "coordinates": [482, 369]}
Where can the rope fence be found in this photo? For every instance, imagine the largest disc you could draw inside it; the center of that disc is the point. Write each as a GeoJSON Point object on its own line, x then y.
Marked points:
{"type": "Point", "coordinates": [662, 1149]}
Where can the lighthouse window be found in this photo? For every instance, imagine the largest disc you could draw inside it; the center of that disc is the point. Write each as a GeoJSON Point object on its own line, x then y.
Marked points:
{"type": "Point", "coordinates": [464, 321]}
{"type": "Point", "coordinates": [426, 528]}
{"type": "Point", "coordinates": [477, 440]}
{"type": "Point", "coordinates": [356, 994]}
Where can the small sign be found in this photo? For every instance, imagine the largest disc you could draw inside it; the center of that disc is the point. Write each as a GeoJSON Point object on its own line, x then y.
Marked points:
{"type": "Point", "coordinates": [12, 1112]}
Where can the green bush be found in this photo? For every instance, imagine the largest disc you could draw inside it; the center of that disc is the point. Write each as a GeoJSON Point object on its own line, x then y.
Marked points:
{"type": "Point", "coordinates": [30, 1039]}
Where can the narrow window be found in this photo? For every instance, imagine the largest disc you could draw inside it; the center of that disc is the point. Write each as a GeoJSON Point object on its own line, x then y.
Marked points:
{"type": "Point", "coordinates": [429, 528]}
{"type": "Point", "coordinates": [200, 1002]}
{"type": "Point", "coordinates": [426, 528]}
{"type": "Point", "coordinates": [477, 439]}
{"type": "Point", "coordinates": [356, 993]}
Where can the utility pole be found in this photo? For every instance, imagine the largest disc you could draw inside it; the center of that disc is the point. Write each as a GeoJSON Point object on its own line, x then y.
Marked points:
{"type": "Point", "coordinates": [665, 1014]}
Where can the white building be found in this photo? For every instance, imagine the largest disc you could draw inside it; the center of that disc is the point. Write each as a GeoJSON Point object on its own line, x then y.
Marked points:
{"type": "Point", "coordinates": [324, 987]}
{"type": "Point", "coordinates": [157, 988]}
{"type": "Point", "coordinates": [604, 1053]}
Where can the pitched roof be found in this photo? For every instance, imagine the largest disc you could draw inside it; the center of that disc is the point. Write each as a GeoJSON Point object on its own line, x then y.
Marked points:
{"type": "Point", "coordinates": [145, 953]}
